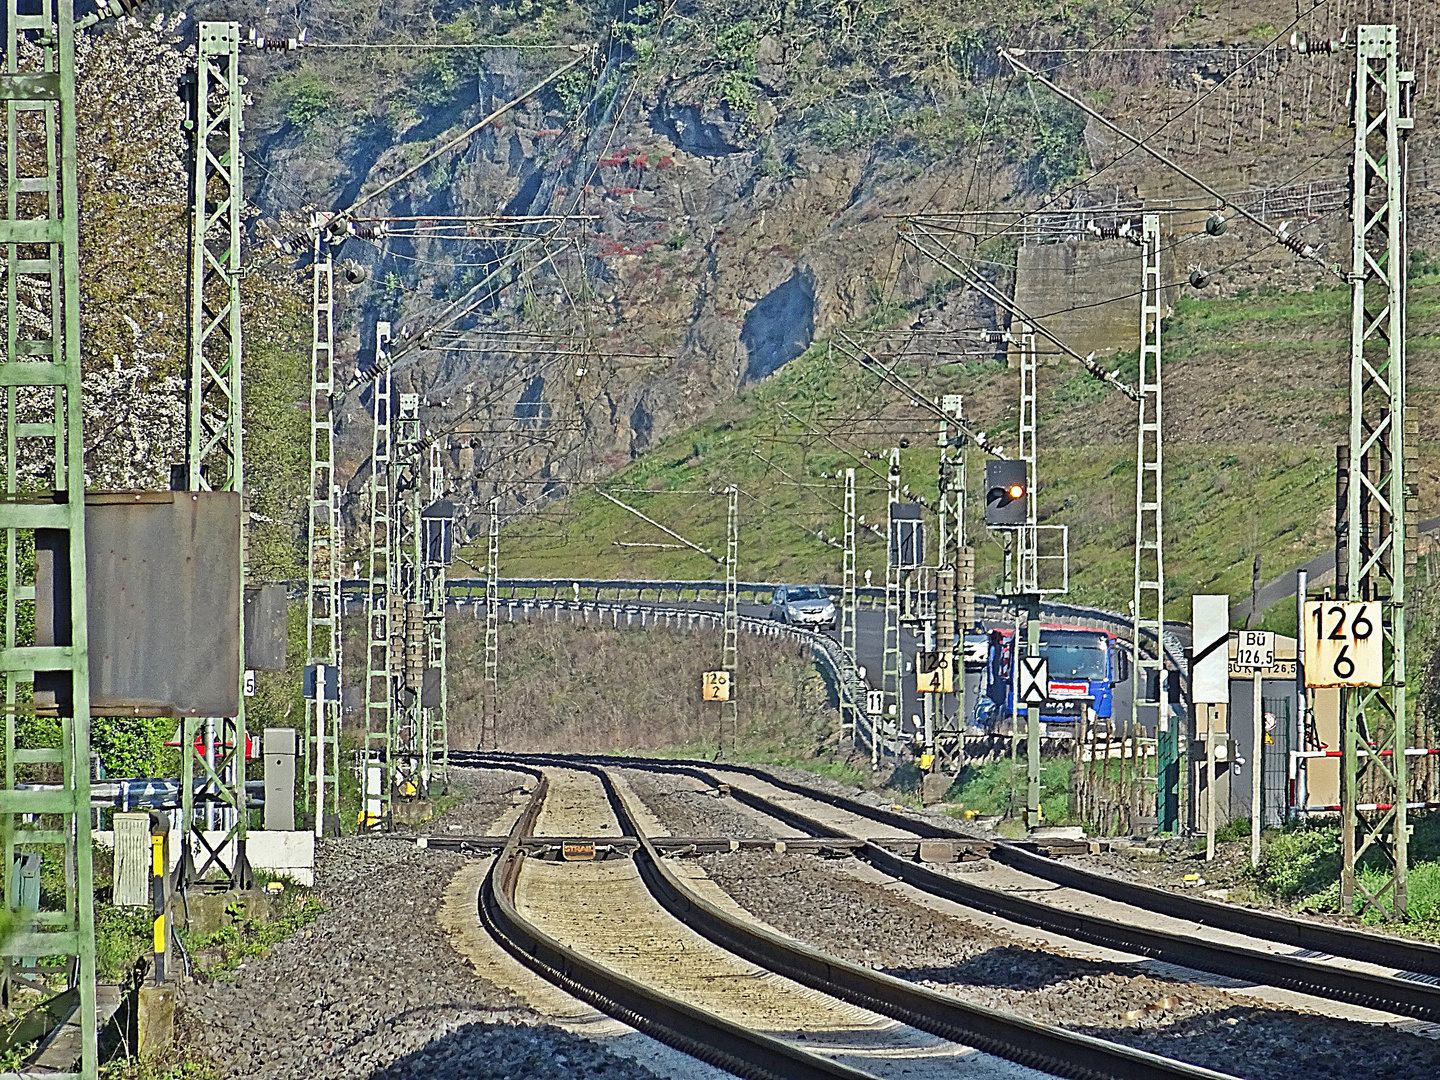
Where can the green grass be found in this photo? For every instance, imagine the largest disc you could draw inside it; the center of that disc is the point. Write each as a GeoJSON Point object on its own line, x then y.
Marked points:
{"type": "Point", "coordinates": [223, 951]}
{"type": "Point", "coordinates": [1300, 867]}
{"type": "Point", "coordinates": [1255, 398]}
{"type": "Point", "coordinates": [151, 1068]}
{"type": "Point", "coordinates": [992, 788]}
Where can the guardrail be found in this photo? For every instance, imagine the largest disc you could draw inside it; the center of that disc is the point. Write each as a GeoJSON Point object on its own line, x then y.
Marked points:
{"type": "Point", "coordinates": [577, 590]}
{"type": "Point", "coordinates": [620, 596]}
{"type": "Point", "coordinates": [835, 663]}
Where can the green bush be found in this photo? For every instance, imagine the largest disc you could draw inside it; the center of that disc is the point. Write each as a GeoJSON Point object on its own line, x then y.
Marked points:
{"type": "Point", "coordinates": [310, 98]}
{"type": "Point", "coordinates": [1299, 863]}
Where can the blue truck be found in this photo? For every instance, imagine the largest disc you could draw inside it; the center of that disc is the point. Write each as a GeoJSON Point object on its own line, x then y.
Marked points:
{"type": "Point", "coordinates": [1085, 663]}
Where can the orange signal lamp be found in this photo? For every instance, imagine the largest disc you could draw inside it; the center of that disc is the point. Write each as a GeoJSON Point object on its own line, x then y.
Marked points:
{"type": "Point", "coordinates": [1016, 491]}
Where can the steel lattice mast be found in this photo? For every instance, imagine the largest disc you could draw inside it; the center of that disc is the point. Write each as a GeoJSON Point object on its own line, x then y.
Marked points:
{"type": "Point", "coordinates": [730, 652]}
{"type": "Point", "coordinates": [491, 712]}
{"type": "Point", "coordinates": [849, 716]}
{"type": "Point", "coordinates": [406, 724]}
{"type": "Point", "coordinates": [379, 593]}
{"type": "Point", "coordinates": [42, 372]}
{"type": "Point", "coordinates": [1027, 539]}
{"type": "Point", "coordinates": [437, 543]}
{"type": "Point", "coordinates": [890, 671]}
{"type": "Point", "coordinates": [1379, 493]}
{"type": "Point", "coordinates": [1148, 695]}
{"type": "Point", "coordinates": [322, 609]}
{"type": "Point", "coordinates": [216, 460]}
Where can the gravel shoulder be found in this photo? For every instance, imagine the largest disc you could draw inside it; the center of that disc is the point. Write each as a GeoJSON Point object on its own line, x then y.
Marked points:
{"type": "Point", "coordinates": [375, 986]}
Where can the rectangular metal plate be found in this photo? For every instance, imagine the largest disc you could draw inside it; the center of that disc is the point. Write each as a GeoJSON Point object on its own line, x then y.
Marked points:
{"type": "Point", "coordinates": [578, 851]}
{"type": "Point", "coordinates": [163, 592]}
{"type": "Point", "coordinates": [267, 630]}
{"type": "Point", "coordinates": [1210, 631]}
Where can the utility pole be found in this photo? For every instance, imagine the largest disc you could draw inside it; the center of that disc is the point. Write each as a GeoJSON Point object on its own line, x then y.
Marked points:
{"type": "Point", "coordinates": [216, 459]}
{"type": "Point", "coordinates": [380, 594]}
{"type": "Point", "coordinates": [322, 607]}
{"type": "Point", "coordinates": [730, 654]}
{"type": "Point", "coordinates": [894, 699]}
{"type": "Point", "coordinates": [1381, 494]}
{"type": "Point", "coordinates": [850, 716]}
{"type": "Point", "coordinates": [1148, 602]}
{"type": "Point", "coordinates": [492, 632]}
{"type": "Point", "coordinates": [42, 212]}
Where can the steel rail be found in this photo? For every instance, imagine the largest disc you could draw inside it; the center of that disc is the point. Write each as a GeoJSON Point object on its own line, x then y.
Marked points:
{"type": "Point", "coordinates": [1397, 994]}
{"type": "Point", "coordinates": [700, 1034]}
{"type": "Point", "coordinates": [1050, 1049]}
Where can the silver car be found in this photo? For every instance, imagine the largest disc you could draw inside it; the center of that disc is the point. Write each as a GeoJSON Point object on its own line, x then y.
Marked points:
{"type": "Point", "coordinates": [809, 606]}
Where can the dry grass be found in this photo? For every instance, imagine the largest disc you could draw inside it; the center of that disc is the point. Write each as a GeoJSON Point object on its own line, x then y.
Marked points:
{"type": "Point", "coordinates": [571, 688]}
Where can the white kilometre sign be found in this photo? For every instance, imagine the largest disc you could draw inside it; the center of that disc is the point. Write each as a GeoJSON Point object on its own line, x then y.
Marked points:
{"type": "Point", "coordinates": [1255, 649]}
{"type": "Point", "coordinates": [1343, 643]}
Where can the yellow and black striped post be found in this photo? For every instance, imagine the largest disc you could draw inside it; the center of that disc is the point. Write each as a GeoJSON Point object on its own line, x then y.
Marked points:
{"type": "Point", "coordinates": [159, 833]}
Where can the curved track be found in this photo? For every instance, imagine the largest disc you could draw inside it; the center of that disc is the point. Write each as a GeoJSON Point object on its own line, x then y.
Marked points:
{"type": "Point", "coordinates": [732, 1046]}
{"type": "Point", "coordinates": [1409, 988]}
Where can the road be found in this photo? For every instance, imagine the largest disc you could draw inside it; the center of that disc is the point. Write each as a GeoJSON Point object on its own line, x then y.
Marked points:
{"type": "Point", "coordinates": [1278, 588]}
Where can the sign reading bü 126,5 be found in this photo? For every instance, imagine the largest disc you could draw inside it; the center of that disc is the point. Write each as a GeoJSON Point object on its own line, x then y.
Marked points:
{"type": "Point", "coordinates": [1343, 643]}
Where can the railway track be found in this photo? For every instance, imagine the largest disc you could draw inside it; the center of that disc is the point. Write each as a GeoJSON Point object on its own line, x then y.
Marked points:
{"type": "Point", "coordinates": [1391, 975]}
{"type": "Point", "coordinates": [530, 906]}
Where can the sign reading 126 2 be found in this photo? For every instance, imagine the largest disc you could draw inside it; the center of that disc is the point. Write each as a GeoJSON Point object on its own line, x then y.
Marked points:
{"type": "Point", "coordinates": [1343, 643]}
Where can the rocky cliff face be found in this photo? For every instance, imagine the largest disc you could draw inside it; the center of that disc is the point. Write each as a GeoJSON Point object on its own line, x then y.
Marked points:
{"type": "Point", "coordinates": [719, 192]}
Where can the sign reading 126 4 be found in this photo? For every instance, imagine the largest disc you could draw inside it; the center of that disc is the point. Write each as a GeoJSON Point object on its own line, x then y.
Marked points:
{"type": "Point", "coordinates": [1343, 643]}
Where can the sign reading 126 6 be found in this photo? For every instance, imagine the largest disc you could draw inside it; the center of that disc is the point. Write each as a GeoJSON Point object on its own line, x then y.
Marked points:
{"type": "Point", "coordinates": [1343, 643]}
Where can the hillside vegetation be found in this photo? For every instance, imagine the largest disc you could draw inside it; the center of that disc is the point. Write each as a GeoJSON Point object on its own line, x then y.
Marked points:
{"type": "Point", "coordinates": [1256, 400]}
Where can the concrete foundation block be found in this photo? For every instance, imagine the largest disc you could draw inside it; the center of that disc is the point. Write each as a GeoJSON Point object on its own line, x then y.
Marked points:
{"type": "Point", "coordinates": [934, 786]}
{"type": "Point", "coordinates": [205, 913]}
{"type": "Point", "coordinates": [412, 811]}
{"type": "Point", "coordinates": [155, 1019]}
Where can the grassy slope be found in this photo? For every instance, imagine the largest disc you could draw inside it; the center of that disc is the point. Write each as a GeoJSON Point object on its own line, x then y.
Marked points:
{"type": "Point", "coordinates": [1255, 402]}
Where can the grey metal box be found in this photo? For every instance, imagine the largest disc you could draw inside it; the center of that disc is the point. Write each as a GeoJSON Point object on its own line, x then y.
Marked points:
{"type": "Point", "coordinates": [280, 779]}
{"type": "Point", "coordinates": [163, 593]}
{"type": "Point", "coordinates": [267, 629]}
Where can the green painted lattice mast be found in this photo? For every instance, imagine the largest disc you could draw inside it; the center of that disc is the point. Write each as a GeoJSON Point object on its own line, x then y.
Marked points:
{"type": "Point", "coordinates": [216, 460]}
{"type": "Point", "coordinates": [730, 656]}
{"type": "Point", "coordinates": [893, 698]}
{"type": "Point", "coordinates": [40, 388]}
{"type": "Point", "coordinates": [322, 608]}
{"type": "Point", "coordinates": [380, 632]}
{"type": "Point", "coordinates": [490, 723]}
{"type": "Point", "coordinates": [850, 709]}
{"type": "Point", "coordinates": [1379, 497]}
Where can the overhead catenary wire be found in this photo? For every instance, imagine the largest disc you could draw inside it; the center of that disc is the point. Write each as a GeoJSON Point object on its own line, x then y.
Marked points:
{"type": "Point", "coordinates": [588, 52]}
{"type": "Point", "coordinates": [1305, 252]}
{"type": "Point", "coordinates": [1199, 101]}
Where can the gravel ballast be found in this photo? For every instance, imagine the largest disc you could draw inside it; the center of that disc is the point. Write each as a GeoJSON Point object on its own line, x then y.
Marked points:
{"type": "Point", "coordinates": [813, 900]}
{"type": "Point", "coordinates": [374, 988]}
